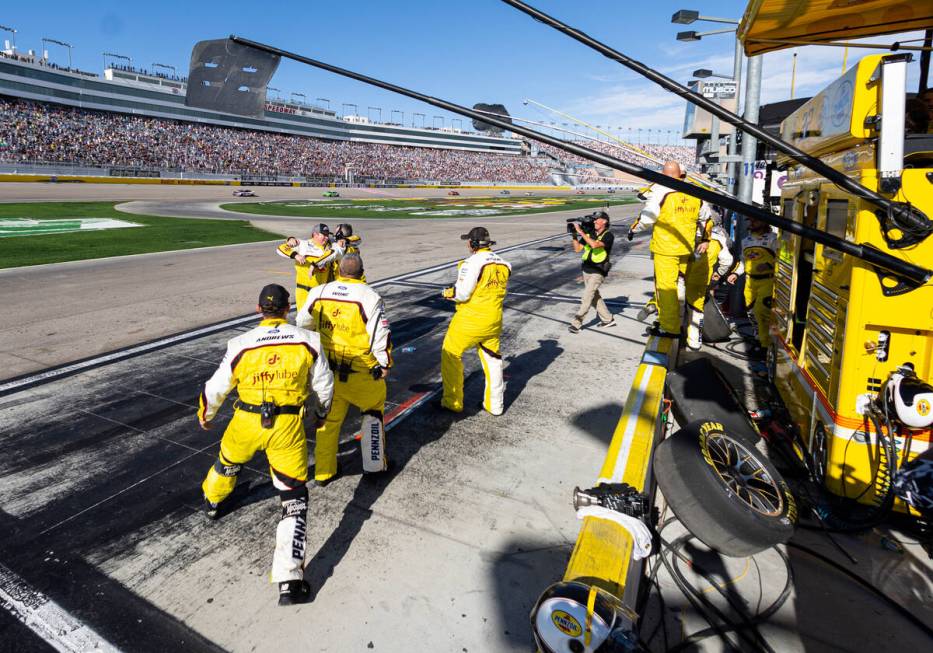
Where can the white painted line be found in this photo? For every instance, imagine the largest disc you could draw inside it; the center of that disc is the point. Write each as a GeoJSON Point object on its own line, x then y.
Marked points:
{"type": "Point", "coordinates": [47, 619]}
{"type": "Point", "coordinates": [48, 375]}
{"type": "Point", "coordinates": [622, 458]}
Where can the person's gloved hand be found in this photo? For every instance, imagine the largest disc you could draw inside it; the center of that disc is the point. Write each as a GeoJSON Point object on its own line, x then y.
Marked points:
{"type": "Point", "coordinates": [630, 235]}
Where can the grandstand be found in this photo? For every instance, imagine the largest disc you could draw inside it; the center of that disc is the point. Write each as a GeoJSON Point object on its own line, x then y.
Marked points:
{"type": "Point", "coordinates": [134, 123]}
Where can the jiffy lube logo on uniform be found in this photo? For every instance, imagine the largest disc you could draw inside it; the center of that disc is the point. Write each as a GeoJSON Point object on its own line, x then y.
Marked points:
{"type": "Point", "coordinates": [266, 377]}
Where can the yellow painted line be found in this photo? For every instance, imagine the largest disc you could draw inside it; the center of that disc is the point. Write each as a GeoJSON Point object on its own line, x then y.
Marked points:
{"type": "Point", "coordinates": [602, 555]}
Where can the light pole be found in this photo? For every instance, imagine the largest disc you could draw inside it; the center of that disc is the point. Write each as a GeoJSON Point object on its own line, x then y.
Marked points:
{"type": "Point", "coordinates": [323, 99]}
{"type": "Point", "coordinates": [369, 109]}
{"type": "Point", "coordinates": [12, 38]}
{"type": "Point", "coordinates": [392, 116]}
{"type": "Point", "coordinates": [46, 39]}
{"type": "Point", "coordinates": [413, 119]}
{"type": "Point", "coordinates": [277, 91]}
{"type": "Point", "coordinates": [348, 104]}
{"type": "Point", "coordinates": [166, 67]}
{"type": "Point", "coordinates": [114, 55]}
{"type": "Point", "coordinates": [293, 95]}
{"type": "Point", "coordinates": [459, 123]}
{"type": "Point", "coordinates": [689, 16]}
{"type": "Point", "coordinates": [434, 121]}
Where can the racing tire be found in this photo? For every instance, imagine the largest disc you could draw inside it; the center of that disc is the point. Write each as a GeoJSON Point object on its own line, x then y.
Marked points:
{"type": "Point", "coordinates": [723, 490]}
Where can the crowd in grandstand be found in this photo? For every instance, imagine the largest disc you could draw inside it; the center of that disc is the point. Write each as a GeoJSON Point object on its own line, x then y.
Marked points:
{"type": "Point", "coordinates": [31, 132]}
{"type": "Point", "coordinates": [39, 132]}
{"type": "Point", "coordinates": [587, 173]}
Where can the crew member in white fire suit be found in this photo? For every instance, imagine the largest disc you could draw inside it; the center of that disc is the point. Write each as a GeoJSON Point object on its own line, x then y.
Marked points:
{"type": "Point", "coordinates": [479, 293]}
{"type": "Point", "coordinates": [313, 258]}
{"type": "Point", "coordinates": [350, 318]}
{"type": "Point", "coordinates": [274, 368]}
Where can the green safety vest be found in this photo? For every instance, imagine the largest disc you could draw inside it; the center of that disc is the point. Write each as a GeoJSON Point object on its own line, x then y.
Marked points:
{"type": "Point", "coordinates": [595, 255]}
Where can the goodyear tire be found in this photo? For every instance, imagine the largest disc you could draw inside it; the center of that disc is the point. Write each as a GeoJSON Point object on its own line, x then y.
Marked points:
{"type": "Point", "coordinates": [724, 491]}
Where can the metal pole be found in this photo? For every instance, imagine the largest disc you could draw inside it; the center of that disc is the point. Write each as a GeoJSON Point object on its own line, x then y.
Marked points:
{"type": "Point", "coordinates": [900, 212]}
{"type": "Point", "coordinates": [793, 76]}
{"type": "Point", "coordinates": [712, 168]}
{"type": "Point", "coordinates": [925, 60]}
{"type": "Point", "coordinates": [749, 142]}
{"type": "Point", "coordinates": [910, 271]}
{"type": "Point", "coordinates": [733, 167]}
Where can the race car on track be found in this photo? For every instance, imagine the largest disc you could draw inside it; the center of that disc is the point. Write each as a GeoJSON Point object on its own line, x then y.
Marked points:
{"type": "Point", "coordinates": [505, 192]}
{"type": "Point", "coordinates": [243, 192]}
{"type": "Point", "coordinates": [579, 192]}
{"type": "Point", "coordinates": [331, 193]}
{"type": "Point", "coordinates": [528, 192]}
{"type": "Point", "coordinates": [452, 193]}
{"type": "Point", "coordinates": [611, 190]}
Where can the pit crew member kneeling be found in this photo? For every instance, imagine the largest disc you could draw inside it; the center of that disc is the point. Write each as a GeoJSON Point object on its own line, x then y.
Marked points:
{"type": "Point", "coordinates": [479, 293]}
{"type": "Point", "coordinates": [272, 367]}
{"type": "Point", "coordinates": [350, 318]}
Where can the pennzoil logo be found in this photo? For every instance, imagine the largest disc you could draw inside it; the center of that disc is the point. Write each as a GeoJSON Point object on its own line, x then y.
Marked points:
{"type": "Point", "coordinates": [566, 623]}
{"type": "Point", "coordinates": [923, 408]}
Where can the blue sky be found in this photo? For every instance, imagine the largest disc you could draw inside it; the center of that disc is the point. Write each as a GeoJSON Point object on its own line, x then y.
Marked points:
{"type": "Point", "coordinates": [467, 52]}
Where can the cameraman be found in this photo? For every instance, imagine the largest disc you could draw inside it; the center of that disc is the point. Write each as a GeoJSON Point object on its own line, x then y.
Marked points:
{"type": "Point", "coordinates": [596, 247]}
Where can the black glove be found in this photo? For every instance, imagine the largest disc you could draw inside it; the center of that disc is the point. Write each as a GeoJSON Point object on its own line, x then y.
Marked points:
{"type": "Point", "coordinates": [376, 371]}
{"type": "Point", "coordinates": [630, 235]}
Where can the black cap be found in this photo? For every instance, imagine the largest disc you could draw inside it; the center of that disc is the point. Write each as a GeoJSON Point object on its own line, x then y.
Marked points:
{"type": "Point", "coordinates": [273, 298]}
{"type": "Point", "coordinates": [601, 214]}
{"type": "Point", "coordinates": [479, 235]}
{"type": "Point", "coordinates": [320, 229]}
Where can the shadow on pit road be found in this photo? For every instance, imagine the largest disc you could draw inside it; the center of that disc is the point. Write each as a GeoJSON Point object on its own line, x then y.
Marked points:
{"type": "Point", "coordinates": [100, 484]}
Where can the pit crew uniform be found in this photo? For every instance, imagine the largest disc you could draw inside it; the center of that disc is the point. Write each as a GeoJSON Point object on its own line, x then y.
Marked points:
{"type": "Point", "coordinates": [352, 247]}
{"type": "Point", "coordinates": [678, 221]}
{"type": "Point", "coordinates": [316, 270]}
{"type": "Point", "coordinates": [274, 362]}
{"type": "Point", "coordinates": [479, 293]}
{"type": "Point", "coordinates": [718, 259]}
{"type": "Point", "coordinates": [759, 254]}
{"type": "Point", "coordinates": [350, 318]}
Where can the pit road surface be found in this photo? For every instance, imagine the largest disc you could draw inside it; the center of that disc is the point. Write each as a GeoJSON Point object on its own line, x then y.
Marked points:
{"type": "Point", "coordinates": [447, 552]}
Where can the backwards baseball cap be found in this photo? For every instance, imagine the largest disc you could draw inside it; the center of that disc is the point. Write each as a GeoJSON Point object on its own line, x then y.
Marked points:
{"type": "Point", "coordinates": [320, 229]}
{"type": "Point", "coordinates": [273, 298]}
{"type": "Point", "coordinates": [601, 214]}
{"type": "Point", "coordinates": [479, 235]}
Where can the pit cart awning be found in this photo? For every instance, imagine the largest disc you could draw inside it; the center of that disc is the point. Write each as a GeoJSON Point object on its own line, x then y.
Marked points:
{"type": "Point", "coordinates": [776, 24]}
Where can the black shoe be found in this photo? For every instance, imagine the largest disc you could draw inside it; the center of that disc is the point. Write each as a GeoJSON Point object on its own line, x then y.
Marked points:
{"type": "Point", "coordinates": [438, 404]}
{"type": "Point", "coordinates": [656, 331]}
{"type": "Point", "coordinates": [212, 509]}
{"type": "Point", "coordinates": [294, 592]}
{"type": "Point", "coordinates": [326, 481]}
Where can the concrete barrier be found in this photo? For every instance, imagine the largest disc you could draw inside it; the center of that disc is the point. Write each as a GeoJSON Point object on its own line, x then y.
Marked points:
{"type": "Point", "coordinates": [602, 555]}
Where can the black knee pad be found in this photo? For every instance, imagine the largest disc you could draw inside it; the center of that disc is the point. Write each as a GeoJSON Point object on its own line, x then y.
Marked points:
{"type": "Point", "coordinates": [226, 470]}
{"type": "Point", "coordinates": [767, 301]}
{"type": "Point", "coordinates": [294, 502]}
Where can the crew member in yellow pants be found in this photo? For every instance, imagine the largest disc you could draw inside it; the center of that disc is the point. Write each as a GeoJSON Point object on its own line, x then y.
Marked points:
{"type": "Point", "coordinates": [350, 318]}
{"type": "Point", "coordinates": [759, 253]}
{"type": "Point", "coordinates": [479, 293]}
{"type": "Point", "coordinates": [313, 258]}
{"type": "Point", "coordinates": [712, 259]}
{"type": "Point", "coordinates": [274, 368]}
{"type": "Point", "coordinates": [678, 221]}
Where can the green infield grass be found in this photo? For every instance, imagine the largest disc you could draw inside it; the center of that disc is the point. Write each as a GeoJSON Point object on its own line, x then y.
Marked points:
{"type": "Point", "coordinates": [436, 207]}
{"type": "Point", "coordinates": [53, 232]}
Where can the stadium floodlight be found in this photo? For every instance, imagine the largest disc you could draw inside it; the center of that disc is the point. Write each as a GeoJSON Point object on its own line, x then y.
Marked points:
{"type": "Point", "coordinates": [348, 104]}
{"type": "Point", "coordinates": [696, 36]}
{"type": "Point", "coordinates": [379, 109]}
{"type": "Point", "coordinates": [12, 38]}
{"type": "Point", "coordinates": [688, 16]}
{"type": "Point", "coordinates": [684, 17]}
{"type": "Point", "coordinates": [392, 116]}
{"type": "Point", "coordinates": [166, 67]}
{"type": "Point", "coordinates": [114, 55]}
{"type": "Point", "coordinates": [323, 99]}
{"type": "Point", "coordinates": [46, 39]}
{"type": "Point", "coordinates": [703, 73]}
